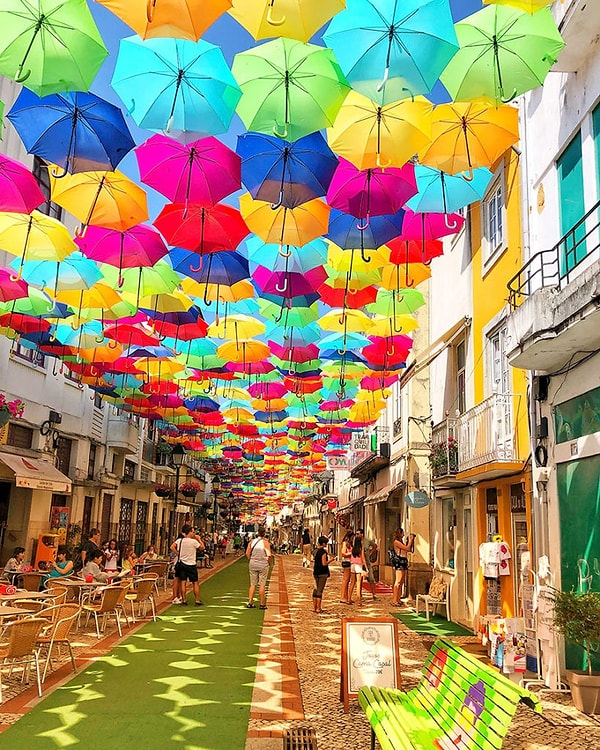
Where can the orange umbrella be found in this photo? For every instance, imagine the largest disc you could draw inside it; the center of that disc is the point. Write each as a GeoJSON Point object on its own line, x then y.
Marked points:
{"type": "Point", "coordinates": [285, 226]}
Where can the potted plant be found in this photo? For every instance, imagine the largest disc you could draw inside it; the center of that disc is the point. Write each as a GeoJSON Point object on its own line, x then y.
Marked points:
{"type": "Point", "coordinates": [190, 489]}
{"type": "Point", "coordinates": [163, 490]}
{"type": "Point", "coordinates": [577, 617]}
{"type": "Point", "coordinates": [10, 409]}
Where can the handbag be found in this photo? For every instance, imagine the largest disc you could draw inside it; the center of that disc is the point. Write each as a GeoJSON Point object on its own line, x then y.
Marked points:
{"type": "Point", "coordinates": [392, 556]}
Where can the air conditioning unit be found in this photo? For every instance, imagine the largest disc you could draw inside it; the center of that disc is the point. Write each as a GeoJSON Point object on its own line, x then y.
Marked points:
{"type": "Point", "coordinates": [385, 450]}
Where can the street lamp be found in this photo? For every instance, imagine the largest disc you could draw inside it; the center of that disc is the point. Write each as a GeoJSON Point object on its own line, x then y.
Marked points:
{"type": "Point", "coordinates": [216, 486]}
{"type": "Point", "coordinates": [177, 460]}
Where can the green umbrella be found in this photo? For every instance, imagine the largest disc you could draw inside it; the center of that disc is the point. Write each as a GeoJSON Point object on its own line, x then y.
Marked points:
{"type": "Point", "coordinates": [289, 89]}
{"type": "Point", "coordinates": [503, 53]}
{"type": "Point", "coordinates": [52, 45]}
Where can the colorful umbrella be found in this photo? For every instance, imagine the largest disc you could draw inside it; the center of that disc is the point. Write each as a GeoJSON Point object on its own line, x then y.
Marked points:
{"type": "Point", "coordinates": [285, 226]}
{"type": "Point", "coordinates": [73, 272]}
{"type": "Point", "coordinates": [51, 45]}
{"type": "Point", "coordinates": [287, 258]}
{"type": "Point", "coordinates": [396, 302]}
{"type": "Point", "coordinates": [175, 84]}
{"type": "Point", "coordinates": [34, 236]}
{"type": "Point", "coordinates": [466, 135]}
{"type": "Point", "coordinates": [19, 191]}
{"type": "Point", "coordinates": [236, 327]}
{"type": "Point", "coordinates": [296, 19]}
{"type": "Point", "coordinates": [224, 268]}
{"type": "Point", "coordinates": [530, 6]}
{"type": "Point", "coordinates": [503, 52]}
{"type": "Point", "coordinates": [347, 231]}
{"type": "Point", "coordinates": [201, 228]}
{"type": "Point", "coordinates": [404, 252]}
{"type": "Point", "coordinates": [390, 50]}
{"type": "Point", "coordinates": [80, 132]}
{"type": "Point", "coordinates": [286, 283]}
{"type": "Point", "coordinates": [429, 226]}
{"type": "Point", "coordinates": [289, 89]}
{"type": "Point", "coordinates": [347, 297]}
{"type": "Point", "coordinates": [107, 199]}
{"type": "Point", "coordinates": [204, 171]}
{"type": "Point", "coordinates": [10, 287]}
{"type": "Point", "coordinates": [373, 135]}
{"type": "Point", "coordinates": [184, 19]}
{"type": "Point", "coordinates": [443, 193]}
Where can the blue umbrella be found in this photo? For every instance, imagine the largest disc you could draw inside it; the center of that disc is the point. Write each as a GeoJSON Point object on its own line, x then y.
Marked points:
{"type": "Point", "coordinates": [443, 193]}
{"type": "Point", "coordinates": [284, 173]}
{"type": "Point", "coordinates": [349, 232]}
{"type": "Point", "coordinates": [287, 257]}
{"type": "Point", "coordinates": [294, 335]}
{"type": "Point", "coordinates": [78, 131]}
{"type": "Point", "coordinates": [392, 50]}
{"type": "Point", "coordinates": [175, 84]}
{"type": "Point", "coordinates": [225, 268]}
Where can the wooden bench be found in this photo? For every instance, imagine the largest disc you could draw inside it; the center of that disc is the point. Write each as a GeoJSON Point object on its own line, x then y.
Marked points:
{"type": "Point", "coordinates": [437, 597]}
{"type": "Point", "coordinates": [459, 704]}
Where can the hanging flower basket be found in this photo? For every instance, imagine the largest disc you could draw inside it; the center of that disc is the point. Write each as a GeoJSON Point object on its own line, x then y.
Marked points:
{"type": "Point", "coordinates": [10, 409]}
{"type": "Point", "coordinates": [190, 489]}
{"type": "Point", "coordinates": [163, 490]}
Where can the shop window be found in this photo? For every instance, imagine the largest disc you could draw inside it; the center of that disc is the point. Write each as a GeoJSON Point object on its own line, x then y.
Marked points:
{"type": "Point", "coordinates": [19, 436]}
{"type": "Point", "coordinates": [91, 470]}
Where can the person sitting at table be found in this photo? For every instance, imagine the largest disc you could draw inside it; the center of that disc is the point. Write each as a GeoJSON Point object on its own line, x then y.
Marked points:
{"type": "Point", "coordinates": [63, 565]}
{"type": "Point", "coordinates": [148, 555]}
{"type": "Point", "coordinates": [16, 563]}
{"type": "Point", "coordinates": [129, 560]}
{"type": "Point", "coordinates": [92, 568]}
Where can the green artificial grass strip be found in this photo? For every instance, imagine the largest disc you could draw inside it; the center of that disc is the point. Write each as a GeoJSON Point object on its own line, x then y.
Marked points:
{"type": "Point", "coordinates": [437, 625]}
{"type": "Point", "coordinates": [183, 682]}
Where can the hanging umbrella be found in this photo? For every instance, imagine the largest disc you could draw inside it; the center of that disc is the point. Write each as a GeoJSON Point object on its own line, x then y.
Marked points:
{"type": "Point", "coordinates": [75, 271]}
{"type": "Point", "coordinates": [243, 351]}
{"type": "Point", "coordinates": [223, 269]}
{"type": "Point", "coordinates": [186, 325]}
{"type": "Point", "coordinates": [286, 258]}
{"type": "Point", "coordinates": [293, 336]}
{"type": "Point", "coordinates": [34, 236]}
{"type": "Point", "coordinates": [392, 323]}
{"type": "Point", "coordinates": [100, 302]}
{"type": "Point", "coordinates": [80, 132]}
{"type": "Point", "coordinates": [289, 89]}
{"type": "Point", "coordinates": [10, 287]}
{"type": "Point", "coordinates": [466, 135]}
{"type": "Point", "coordinates": [373, 135]}
{"type": "Point", "coordinates": [347, 297]}
{"type": "Point", "coordinates": [282, 315]}
{"type": "Point", "coordinates": [390, 50]}
{"type": "Point", "coordinates": [203, 171]}
{"type": "Point", "coordinates": [184, 19]}
{"type": "Point", "coordinates": [296, 19]}
{"type": "Point", "coordinates": [503, 52]}
{"type": "Point", "coordinates": [236, 327]}
{"type": "Point", "coordinates": [175, 84]}
{"type": "Point", "coordinates": [372, 191]}
{"type": "Point", "coordinates": [286, 283]}
{"type": "Point", "coordinates": [405, 252]}
{"type": "Point", "coordinates": [284, 173]}
{"type": "Point", "coordinates": [429, 226]}
{"type": "Point", "coordinates": [51, 45]}
{"type": "Point", "coordinates": [404, 276]}
{"type": "Point", "coordinates": [201, 228]}
{"type": "Point", "coordinates": [348, 231]}
{"type": "Point", "coordinates": [443, 193]}
{"type": "Point", "coordinates": [107, 199]}
{"type": "Point", "coordinates": [530, 6]}
{"type": "Point", "coordinates": [285, 226]}
{"type": "Point", "coordinates": [19, 190]}
{"type": "Point", "coordinates": [345, 320]}
{"type": "Point", "coordinates": [142, 281]}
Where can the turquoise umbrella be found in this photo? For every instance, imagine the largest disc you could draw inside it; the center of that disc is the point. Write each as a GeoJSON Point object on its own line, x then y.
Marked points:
{"type": "Point", "coordinates": [444, 193]}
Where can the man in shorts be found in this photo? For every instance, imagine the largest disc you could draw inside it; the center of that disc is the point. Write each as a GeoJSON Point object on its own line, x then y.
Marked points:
{"type": "Point", "coordinates": [185, 566]}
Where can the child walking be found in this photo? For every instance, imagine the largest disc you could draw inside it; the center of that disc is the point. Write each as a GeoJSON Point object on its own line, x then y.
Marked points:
{"type": "Point", "coordinates": [320, 572]}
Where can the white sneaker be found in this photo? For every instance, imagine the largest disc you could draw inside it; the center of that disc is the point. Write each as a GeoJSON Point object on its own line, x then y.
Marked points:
{"type": "Point", "coordinates": [177, 600]}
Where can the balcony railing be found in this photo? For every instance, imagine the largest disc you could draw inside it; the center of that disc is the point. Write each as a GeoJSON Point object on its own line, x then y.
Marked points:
{"type": "Point", "coordinates": [555, 267]}
{"type": "Point", "coordinates": [485, 433]}
{"type": "Point", "coordinates": [444, 449]}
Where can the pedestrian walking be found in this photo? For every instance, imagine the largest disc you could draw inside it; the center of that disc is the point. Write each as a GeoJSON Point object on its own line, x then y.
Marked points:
{"type": "Point", "coordinates": [320, 572]}
{"type": "Point", "coordinates": [306, 549]}
{"type": "Point", "coordinates": [345, 555]}
{"type": "Point", "coordinates": [259, 556]}
{"type": "Point", "coordinates": [185, 567]}
{"type": "Point", "coordinates": [358, 564]}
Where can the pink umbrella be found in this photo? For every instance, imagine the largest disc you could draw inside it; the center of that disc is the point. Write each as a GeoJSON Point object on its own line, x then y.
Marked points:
{"type": "Point", "coordinates": [371, 192]}
{"type": "Point", "coordinates": [11, 288]}
{"type": "Point", "coordinates": [287, 283]}
{"type": "Point", "coordinates": [295, 353]}
{"type": "Point", "coordinates": [267, 390]}
{"type": "Point", "coordinates": [429, 226]}
{"type": "Point", "coordinates": [388, 350]}
{"type": "Point", "coordinates": [19, 191]}
{"type": "Point", "coordinates": [203, 171]}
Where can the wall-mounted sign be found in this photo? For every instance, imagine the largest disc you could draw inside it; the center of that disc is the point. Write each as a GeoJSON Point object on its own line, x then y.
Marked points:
{"type": "Point", "coordinates": [417, 499]}
{"type": "Point", "coordinates": [337, 463]}
{"type": "Point", "coordinates": [360, 442]}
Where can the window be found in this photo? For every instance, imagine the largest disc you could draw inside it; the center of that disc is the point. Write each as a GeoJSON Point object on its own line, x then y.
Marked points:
{"type": "Point", "coordinates": [63, 454]}
{"type": "Point", "coordinates": [19, 436]}
{"type": "Point", "coordinates": [499, 367]}
{"type": "Point", "coordinates": [91, 470]}
{"type": "Point", "coordinates": [40, 172]}
{"type": "Point", "coordinates": [460, 377]}
{"type": "Point", "coordinates": [28, 354]}
{"type": "Point", "coordinates": [397, 430]}
{"type": "Point", "coordinates": [448, 531]}
{"type": "Point", "coordinates": [98, 402]}
{"type": "Point", "coordinates": [493, 218]}
{"type": "Point", "coordinates": [128, 471]}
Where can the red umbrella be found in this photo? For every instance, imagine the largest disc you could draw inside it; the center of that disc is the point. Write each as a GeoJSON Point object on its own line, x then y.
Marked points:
{"type": "Point", "coordinates": [388, 350]}
{"type": "Point", "coordinates": [130, 335]}
{"type": "Point", "coordinates": [410, 251]}
{"type": "Point", "coordinates": [350, 298]}
{"type": "Point", "coordinates": [267, 390]}
{"type": "Point", "coordinates": [295, 353]}
{"type": "Point", "coordinates": [204, 171]}
{"type": "Point", "coordinates": [429, 226]}
{"type": "Point", "coordinates": [202, 228]}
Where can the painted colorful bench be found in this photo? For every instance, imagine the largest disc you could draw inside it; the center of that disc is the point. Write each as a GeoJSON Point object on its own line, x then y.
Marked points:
{"type": "Point", "coordinates": [459, 704]}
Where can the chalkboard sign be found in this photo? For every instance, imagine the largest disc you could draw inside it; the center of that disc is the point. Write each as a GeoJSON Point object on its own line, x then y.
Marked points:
{"type": "Point", "coordinates": [369, 655]}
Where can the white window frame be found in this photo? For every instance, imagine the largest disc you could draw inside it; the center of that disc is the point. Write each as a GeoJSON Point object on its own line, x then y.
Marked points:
{"type": "Point", "coordinates": [499, 372]}
{"type": "Point", "coordinates": [493, 219]}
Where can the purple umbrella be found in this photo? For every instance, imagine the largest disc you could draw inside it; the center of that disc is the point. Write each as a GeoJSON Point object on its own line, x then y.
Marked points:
{"type": "Point", "coordinates": [287, 283]}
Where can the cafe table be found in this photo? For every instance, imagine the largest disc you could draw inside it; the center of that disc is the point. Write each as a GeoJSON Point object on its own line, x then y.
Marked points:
{"type": "Point", "coordinates": [22, 594]}
{"type": "Point", "coordinates": [7, 611]}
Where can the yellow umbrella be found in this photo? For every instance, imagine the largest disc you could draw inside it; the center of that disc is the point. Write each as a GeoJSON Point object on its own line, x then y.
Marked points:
{"type": "Point", "coordinates": [275, 404]}
{"type": "Point", "coordinates": [174, 301]}
{"type": "Point", "coordinates": [405, 276]}
{"type": "Point", "coordinates": [372, 135]}
{"type": "Point", "coordinates": [285, 226]}
{"type": "Point", "coordinates": [244, 351]}
{"type": "Point", "coordinates": [295, 19]}
{"type": "Point", "coordinates": [356, 261]}
{"type": "Point", "coordinates": [217, 292]}
{"type": "Point", "coordinates": [529, 6]}
{"type": "Point", "coordinates": [98, 302]}
{"type": "Point", "coordinates": [466, 135]}
{"type": "Point", "coordinates": [237, 414]}
{"type": "Point", "coordinates": [352, 281]}
{"type": "Point", "coordinates": [106, 199]}
{"type": "Point", "coordinates": [391, 326]}
{"type": "Point", "coordinates": [236, 327]}
{"type": "Point", "coordinates": [345, 320]}
{"type": "Point", "coordinates": [183, 19]}
{"type": "Point", "coordinates": [34, 236]}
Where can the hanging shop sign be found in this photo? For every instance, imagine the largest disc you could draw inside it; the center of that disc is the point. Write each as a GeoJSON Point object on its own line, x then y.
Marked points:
{"type": "Point", "coordinates": [417, 499]}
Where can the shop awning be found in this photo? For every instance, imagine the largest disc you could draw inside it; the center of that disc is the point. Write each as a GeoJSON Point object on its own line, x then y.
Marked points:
{"type": "Point", "coordinates": [382, 494]}
{"type": "Point", "coordinates": [36, 473]}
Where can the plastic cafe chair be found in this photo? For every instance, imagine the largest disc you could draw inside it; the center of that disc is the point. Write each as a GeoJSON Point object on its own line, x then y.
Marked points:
{"type": "Point", "coordinates": [62, 618]}
{"type": "Point", "coordinates": [111, 603]}
{"type": "Point", "coordinates": [21, 648]}
{"type": "Point", "coordinates": [142, 594]}
{"type": "Point", "coordinates": [161, 569]}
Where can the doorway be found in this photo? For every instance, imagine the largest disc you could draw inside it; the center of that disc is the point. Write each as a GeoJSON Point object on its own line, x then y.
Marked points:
{"type": "Point", "coordinates": [4, 502]}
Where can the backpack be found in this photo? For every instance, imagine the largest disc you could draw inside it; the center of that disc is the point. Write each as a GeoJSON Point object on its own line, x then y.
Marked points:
{"type": "Point", "coordinates": [373, 553]}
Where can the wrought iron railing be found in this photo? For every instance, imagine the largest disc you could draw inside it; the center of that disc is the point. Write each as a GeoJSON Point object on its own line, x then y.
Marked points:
{"type": "Point", "coordinates": [444, 449]}
{"type": "Point", "coordinates": [555, 267]}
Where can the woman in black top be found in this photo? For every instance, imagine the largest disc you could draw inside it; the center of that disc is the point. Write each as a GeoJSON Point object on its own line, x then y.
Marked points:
{"type": "Point", "coordinates": [320, 572]}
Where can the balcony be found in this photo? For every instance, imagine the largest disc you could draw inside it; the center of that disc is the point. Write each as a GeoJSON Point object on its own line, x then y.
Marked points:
{"type": "Point", "coordinates": [444, 449]}
{"type": "Point", "coordinates": [123, 433]}
{"type": "Point", "coordinates": [555, 299]}
{"type": "Point", "coordinates": [485, 438]}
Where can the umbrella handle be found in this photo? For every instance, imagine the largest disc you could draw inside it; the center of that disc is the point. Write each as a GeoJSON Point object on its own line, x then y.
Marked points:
{"type": "Point", "coordinates": [274, 21]}
{"type": "Point", "coordinates": [364, 257]}
{"type": "Point", "coordinates": [382, 164]}
{"type": "Point", "coordinates": [409, 283]}
{"type": "Point", "coordinates": [362, 227]}
{"type": "Point", "coordinates": [386, 75]}
{"type": "Point", "coordinates": [279, 203]}
{"type": "Point", "coordinates": [100, 339]}
{"type": "Point", "coordinates": [59, 175]}
{"type": "Point", "coordinates": [112, 344]}
{"type": "Point", "coordinates": [342, 352]}
{"type": "Point", "coordinates": [467, 175]}
{"type": "Point", "coordinates": [284, 255]}
{"type": "Point", "coordinates": [198, 269]}
{"type": "Point", "coordinates": [453, 224]}
{"type": "Point", "coordinates": [150, 5]}
{"type": "Point", "coordinates": [12, 277]}
{"type": "Point", "coordinates": [121, 280]}
{"type": "Point", "coordinates": [81, 230]}
{"type": "Point", "coordinates": [22, 75]}
{"type": "Point", "coordinates": [506, 100]}
{"type": "Point", "coordinates": [278, 134]}
{"type": "Point", "coordinates": [285, 286]}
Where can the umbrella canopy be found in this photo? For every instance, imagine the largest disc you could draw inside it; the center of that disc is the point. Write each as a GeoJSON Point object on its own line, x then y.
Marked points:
{"type": "Point", "coordinates": [19, 191]}
{"type": "Point", "coordinates": [107, 199]}
{"type": "Point", "coordinates": [466, 135]}
{"type": "Point", "coordinates": [202, 228]}
{"type": "Point", "coordinates": [285, 226]}
{"type": "Point", "coordinates": [530, 6]}
{"type": "Point", "coordinates": [390, 50]}
{"type": "Point", "coordinates": [397, 302]}
{"type": "Point", "coordinates": [34, 236]}
{"type": "Point", "coordinates": [51, 45]}
{"type": "Point", "coordinates": [184, 19]}
{"type": "Point", "coordinates": [203, 171]}
{"type": "Point", "coordinates": [287, 258]}
{"type": "Point", "coordinates": [503, 52]}
{"type": "Point", "coordinates": [444, 193]}
{"type": "Point", "coordinates": [139, 245]}
{"type": "Point", "coordinates": [284, 173]}
{"type": "Point", "coordinates": [78, 131]}
{"type": "Point", "coordinates": [175, 84]}
{"type": "Point", "coordinates": [73, 272]}
{"type": "Point", "coordinates": [289, 89]}
{"type": "Point", "coordinates": [296, 19]}
{"type": "Point", "coordinates": [349, 232]}
{"type": "Point", "coordinates": [236, 327]}
{"type": "Point", "coordinates": [10, 287]}
{"type": "Point", "coordinates": [374, 135]}
{"type": "Point", "coordinates": [371, 192]}
{"type": "Point", "coordinates": [287, 283]}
